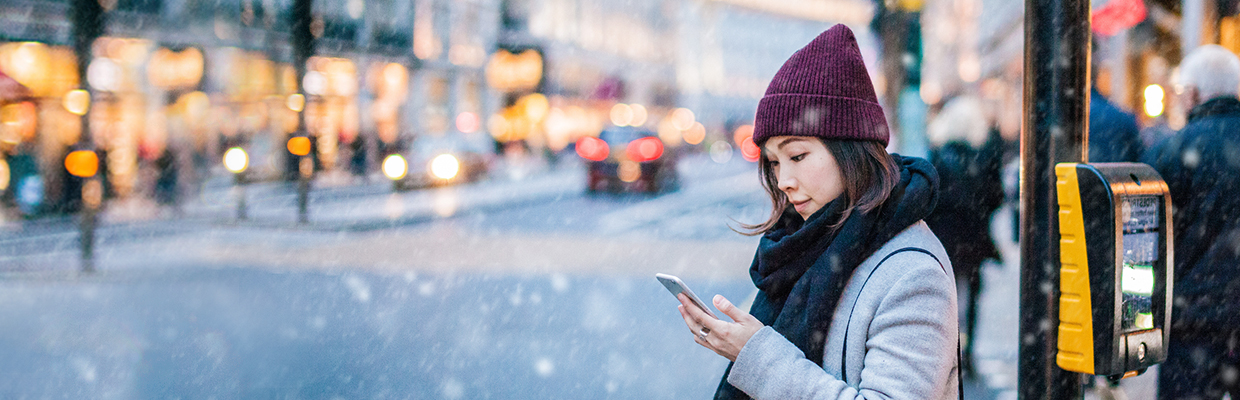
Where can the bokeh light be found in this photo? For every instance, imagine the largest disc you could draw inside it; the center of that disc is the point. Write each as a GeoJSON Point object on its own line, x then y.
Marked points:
{"type": "Point", "coordinates": [645, 149]}
{"type": "Point", "coordinates": [683, 119]}
{"type": "Point", "coordinates": [592, 148]}
{"type": "Point", "coordinates": [4, 175]}
{"type": "Point", "coordinates": [629, 171]}
{"type": "Point", "coordinates": [621, 114]}
{"type": "Point", "coordinates": [640, 115]}
{"type": "Point", "coordinates": [467, 122]}
{"type": "Point", "coordinates": [445, 166]}
{"type": "Point", "coordinates": [695, 134]}
{"type": "Point", "coordinates": [77, 101]}
{"type": "Point", "coordinates": [721, 152]}
{"type": "Point", "coordinates": [296, 102]}
{"type": "Point", "coordinates": [750, 150]}
{"type": "Point", "coordinates": [235, 160]}
{"type": "Point", "coordinates": [395, 167]}
{"type": "Point", "coordinates": [1154, 96]}
{"type": "Point", "coordinates": [670, 135]}
{"type": "Point", "coordinates": [82, 163]}
{"type": "Point", "coordinates": [299, 145]}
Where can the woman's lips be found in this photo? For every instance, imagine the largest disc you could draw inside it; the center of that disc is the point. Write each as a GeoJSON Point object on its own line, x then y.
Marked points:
{"type": "Point", "coordinates": [799, 205]}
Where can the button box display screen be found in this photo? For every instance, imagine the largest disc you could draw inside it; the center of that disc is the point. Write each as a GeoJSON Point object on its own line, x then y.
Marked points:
{"type": "Point", "coordinates": [1141, 225]}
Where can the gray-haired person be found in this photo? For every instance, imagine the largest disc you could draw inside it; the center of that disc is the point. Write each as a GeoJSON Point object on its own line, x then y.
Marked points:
{"type": "Point", "coordinates": [1201, 165]}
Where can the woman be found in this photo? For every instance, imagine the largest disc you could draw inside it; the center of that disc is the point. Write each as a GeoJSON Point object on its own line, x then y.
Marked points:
{"type": "Point", "coordinates": [856, 296]}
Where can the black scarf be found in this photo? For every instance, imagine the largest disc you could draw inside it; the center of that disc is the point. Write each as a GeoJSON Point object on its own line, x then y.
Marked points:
{"type": "Point", "coordinates": [801, 267]}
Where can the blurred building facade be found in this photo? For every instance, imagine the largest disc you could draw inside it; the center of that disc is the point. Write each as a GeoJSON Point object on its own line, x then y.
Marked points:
{"type": "Point", "coordinates": [175, 83]}
{"type": "Point", "coordinates": [692, 70]}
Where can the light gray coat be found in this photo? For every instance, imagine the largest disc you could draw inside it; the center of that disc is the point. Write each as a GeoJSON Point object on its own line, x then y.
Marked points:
{"type": "Point", "coordinates": [894, 335]}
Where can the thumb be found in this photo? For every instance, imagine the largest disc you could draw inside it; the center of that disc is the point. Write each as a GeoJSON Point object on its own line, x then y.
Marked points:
{"type": "Point", "coordinates": [732, 311]}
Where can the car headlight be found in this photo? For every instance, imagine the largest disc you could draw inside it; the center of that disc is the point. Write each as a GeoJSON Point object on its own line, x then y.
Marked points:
{"type": "Point", "coordinates": [235, 160]}
{"type": "Point", "coordinates": [445, 166]}
{"type": "Point", "coordinates": [395, 167]}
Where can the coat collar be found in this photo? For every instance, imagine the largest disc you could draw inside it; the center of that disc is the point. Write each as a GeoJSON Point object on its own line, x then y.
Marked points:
{"type": "Point", "coordinates": [1215, 107]}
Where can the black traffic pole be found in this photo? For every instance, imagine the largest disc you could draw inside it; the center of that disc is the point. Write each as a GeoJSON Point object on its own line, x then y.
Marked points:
{"type": "Point", "coordinates": [1056, 123]}
{"type": "Point", "coordinates": [241, 207]}
{"type": "Point", "coordinates": [303, 49]}
{"type": "Point", "coordinates": [87, 16]}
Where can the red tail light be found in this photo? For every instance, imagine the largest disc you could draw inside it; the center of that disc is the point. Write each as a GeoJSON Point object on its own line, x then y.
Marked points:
{"type": "Point", "coordinates": [592, 148]}
{"type": "Point", "coordinates": [645, 149]}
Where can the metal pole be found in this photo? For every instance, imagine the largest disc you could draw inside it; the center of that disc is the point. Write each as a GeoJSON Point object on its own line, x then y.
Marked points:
{"type": "Point", "coordinates": [1056, 115]}
{"type": "Point", "coordinates": [240, 185]}
{"type": "Point", "coordinates": [303, 188]}
{"type": "Point", "coordinates": [303, 48]}
{"type": "Point", "coordinates": [87, 16]}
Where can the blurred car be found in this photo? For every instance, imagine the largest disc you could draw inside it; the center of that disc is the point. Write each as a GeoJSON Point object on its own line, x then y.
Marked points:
{"type": "Point", "coordinates": [439, 160]}
{"type": "Point", "coordinates": [627, 158]}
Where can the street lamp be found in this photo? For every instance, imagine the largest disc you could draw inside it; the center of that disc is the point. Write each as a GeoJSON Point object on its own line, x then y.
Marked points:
{"type": "Point", "coordinates": [236, 161]}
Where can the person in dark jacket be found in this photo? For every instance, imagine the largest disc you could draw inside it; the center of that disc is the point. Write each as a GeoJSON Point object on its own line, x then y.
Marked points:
{"type": "Point", "coordinates": [1114, 135]}
{"type": "Point", "coordinates": [855, 293]}
{"type": "Point", "coordinates": [1201, 165]}
{"type": "Point", "coordinates": [167, 189]}
{"type": "Point", "coordinates": [968, 157]}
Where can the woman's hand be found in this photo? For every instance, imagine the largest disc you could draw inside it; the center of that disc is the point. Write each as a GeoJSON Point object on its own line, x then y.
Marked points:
{"type": "Point", "coordinates": [725, 338]}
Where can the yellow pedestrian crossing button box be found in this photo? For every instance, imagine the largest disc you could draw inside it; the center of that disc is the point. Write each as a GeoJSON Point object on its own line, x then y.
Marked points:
{"type": "Point", "coordinates": [1116, 268]}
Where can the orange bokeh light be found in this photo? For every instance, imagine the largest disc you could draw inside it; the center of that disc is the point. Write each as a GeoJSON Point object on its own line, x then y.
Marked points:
{"type": "Point", "coordinates": [82, 163]}
{"type": "Point", "coordinates": [299, 145]}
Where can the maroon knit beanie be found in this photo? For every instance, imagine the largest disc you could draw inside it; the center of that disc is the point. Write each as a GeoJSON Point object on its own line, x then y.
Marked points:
{"type": "Point", "coordinates": [823, 91]}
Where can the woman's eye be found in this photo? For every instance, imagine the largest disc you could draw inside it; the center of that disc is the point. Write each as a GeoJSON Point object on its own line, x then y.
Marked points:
{"type": "Point", "coordinates": [798, 157]}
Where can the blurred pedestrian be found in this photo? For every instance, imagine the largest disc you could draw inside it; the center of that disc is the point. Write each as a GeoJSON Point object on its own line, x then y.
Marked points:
{"type": "Point", "coordinates": [357, 160]}
{"type": "Point", "coordinates": [968, 157]}
{"type": "Point", "coordinates": [167, 181]}
{"type": "Point", "coordinates": [856, 296]}
{"type": "Point", "coordinates": [1114, 135]}
{"type": "Point", "coordinates": [1201, 165]}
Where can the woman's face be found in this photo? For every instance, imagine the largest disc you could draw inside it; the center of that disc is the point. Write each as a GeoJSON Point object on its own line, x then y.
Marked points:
{"type": "Point", "coordinates": [805, 171]}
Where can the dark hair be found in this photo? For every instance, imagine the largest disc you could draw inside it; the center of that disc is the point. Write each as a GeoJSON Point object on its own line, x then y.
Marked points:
{"type": "Point", "coordinates": [869, 176]}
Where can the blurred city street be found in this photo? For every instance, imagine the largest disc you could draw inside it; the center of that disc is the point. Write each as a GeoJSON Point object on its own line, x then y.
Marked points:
{"type": "Point", "coordinates": [523, 288]}
{"type": "Point", "coordinates": [536, 292]}
{"type": "Point", "coordinates": [469, 199]}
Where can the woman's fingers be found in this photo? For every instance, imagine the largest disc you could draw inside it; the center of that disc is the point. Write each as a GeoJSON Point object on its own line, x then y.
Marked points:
{"type": "Point", "coordinates": [689, 321]}
{"type": "Point", "coordinates": [699, 322]}
{"type": "Point", "coordinates": [693, 310]}
{"type": "Point", "coordinates": [731, 311]}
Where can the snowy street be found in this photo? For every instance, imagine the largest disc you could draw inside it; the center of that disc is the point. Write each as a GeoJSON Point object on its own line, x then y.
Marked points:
{"type": "Point", "coordinates": [522, 289]}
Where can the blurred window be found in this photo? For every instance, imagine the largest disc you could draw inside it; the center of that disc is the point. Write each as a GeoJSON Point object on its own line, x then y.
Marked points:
{"type": "Point", "coordinates": [621, 136]}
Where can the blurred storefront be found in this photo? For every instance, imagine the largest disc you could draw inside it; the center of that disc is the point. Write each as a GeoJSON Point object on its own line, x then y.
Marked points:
{"type": "Point", "coordinates": [176, 83]}
{"type": "Point", "coordinates": [37, 130]}
{"type": "Point", "coordinates": [451, 40]}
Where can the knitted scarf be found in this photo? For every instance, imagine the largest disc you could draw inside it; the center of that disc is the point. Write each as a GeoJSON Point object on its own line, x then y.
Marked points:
{"type": "Point", "coordinates": [800, 269]}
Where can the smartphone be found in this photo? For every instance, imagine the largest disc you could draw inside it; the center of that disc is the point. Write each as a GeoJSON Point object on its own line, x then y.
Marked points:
{"type": "Point", "coordinates": [676, 286]}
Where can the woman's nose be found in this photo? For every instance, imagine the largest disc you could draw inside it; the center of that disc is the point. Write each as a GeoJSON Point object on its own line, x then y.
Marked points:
{"type": "Point", "coordinates": [787, 183]}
